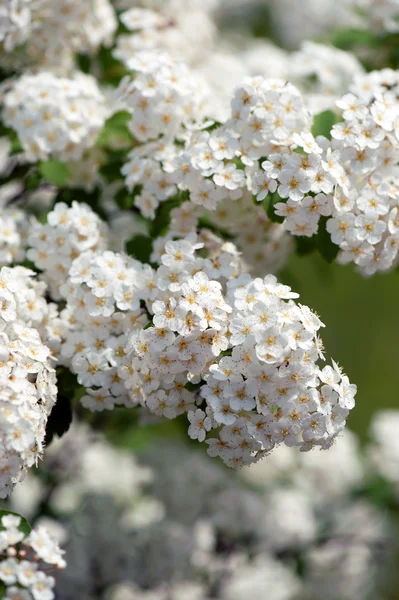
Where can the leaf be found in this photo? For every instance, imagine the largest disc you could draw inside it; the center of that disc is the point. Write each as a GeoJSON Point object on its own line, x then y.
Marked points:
{"type": "Point", "coordinates": [32, 181]}
{"type": "Point", "coordinates": [323, 123]}
{"type": "Point", "coordinates": [60, 418]}
{"type": "Point", "coordinates": [140, 247]}
{"type": "Point", "coordinates": [111, 170]}
{"type": "Point", "coordinates": [325, 246]}
{"type": "Point", "coordinates": [305, 245]}
{"type": "Point", "coordinates": [124, 199]}
{"type": "Point", "coordinates": [269, 204]}
{"type": "Point", "coordinates": [346, 39]}
{"type": "Point", "coordinates": [162, 218]}
{"type": "Point", "coordinates": [55, 172]}
{"type": "Point", "coordinates": [24, 525]}
{"type": "Point", "coordinates": [116, 127]}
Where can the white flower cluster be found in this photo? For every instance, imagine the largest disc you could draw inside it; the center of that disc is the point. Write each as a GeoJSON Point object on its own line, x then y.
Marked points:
{"type": "Point", "coordinates": [266, 146]}
{"type": "Point", "coordinates": [25, 561]}
{"type": "Point", "coordinates": [15, 22]}
{"type": "Point", "coordinates": [365, 221]}
{"type": "Point", "coordinates": [265, 113]}
{"type": "Point", "coordinates": [295, 21]}
{"type": "Point", "coordinates": [14, 227]}
{"type": "Point", "coordinates": [53, 32]}
{"type": "Point", "coordinates": [70, 231]}
{"type": "Point", "coordinates": [27, 381]}
{"type": "Point", "coordinates": [383, 15]}
{"type": "Point", "coordinates": [265, 246]}
{"type": "Point", "coordinates": [182, 28]}
{"type": "Point", "coordinates": [252, 353]}
{"type": "Point", "coordinates": [323, 73]}
{"type": "Point", "coordinates": [103, 294]}
{"type": "Point", "coordinates": [163, 96]}
{"type": "Point", "coordinates": [55, 116]}
{"type": "Point", "coordinates": [142, 336]}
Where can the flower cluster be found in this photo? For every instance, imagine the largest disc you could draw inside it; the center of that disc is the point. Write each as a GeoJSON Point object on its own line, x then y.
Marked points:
{"type": "Point", "coordinates": [365, 221]}
{"type": "Point", "coordinates": [55, 116]}
{"type": "Point", "coordinates": [183, 28]}
{"type": "Point", "coordinates": [323, 73]}
{"type": "Point", "coordinates": [14, 228]}
{"type": "Point", "coordinates": [27, 381]}
{"type": "Point", "coordinates": [383, 15]}
{"type": "Point", "coordinates": [266, 146]}
{"type": "Point", "coordinates": [71, 231]}
{"type": "Point", "coordinates": [103, 294]}
{"type": "Point", "coordinates": [26, 560]}
{"type": "Point", "coordinates": [163, 97]}
{"type": "Point", "coordinates": [199, 336]}
{"type": "Point", "coordinates": [265, 246]}
{"type": "Point", "coordinates": [53, 33]}
{"type": "Point", "coordinates": [15, 22]}
{"type": "Point", "coordinates": [250, 352]}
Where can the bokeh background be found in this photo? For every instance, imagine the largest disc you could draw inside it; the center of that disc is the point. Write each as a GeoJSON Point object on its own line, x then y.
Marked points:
{"type": "Point", "coordinates": [362, 324]}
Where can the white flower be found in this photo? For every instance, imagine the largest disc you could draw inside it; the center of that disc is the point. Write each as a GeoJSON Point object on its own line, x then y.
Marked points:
{"type": "Point", "coordinates": [200, 424]}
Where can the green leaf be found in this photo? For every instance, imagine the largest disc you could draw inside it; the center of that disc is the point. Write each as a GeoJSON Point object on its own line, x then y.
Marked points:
{"type": "Point", "coordinates": [140, 247]}
{"type": "Point", "coordinates": [269, 204]}
{"type": "Point", "coordinates": [124, 199]}
{"type": "Point", "coordinates": [323, 123]}
{"type": "Point", "coordinates": [305, 245]}
{"type": "Point", "coordinates": [346, 39]}
{"type": "Point", "coordinates": [16, 146]}
{"type": "Point", "coordinates": [325, 246]}
{"type": "Point", "coordinates": [32, 181]}
{"type": "Point", "coordinates": [193, 387]}
{"type": "Point", "coordinates": [55, 172]}
{"type": "Point", "coordinates": [161, 222]}
{"type": "Point", "coordinates": [111, 170]}
{"type": "Point", "coordinates": [2, 590]}
{"type": "Point", "coordinates": [112, 69]}
{"type": "Point", "coordinates": [24, 525]}
{"type": "Point", "coordinates": [60, 418]}
{"type": "Point", "coordinates": [116, 128]}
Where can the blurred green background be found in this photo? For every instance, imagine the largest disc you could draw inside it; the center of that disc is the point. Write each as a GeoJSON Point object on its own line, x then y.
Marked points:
{"type": "Point", "coordinates": [361, 315]}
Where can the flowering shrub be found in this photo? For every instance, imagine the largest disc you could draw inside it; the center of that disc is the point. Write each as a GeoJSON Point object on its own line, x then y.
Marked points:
{"type": "Point", "coordinates": [156, 175]}
{"type": "Point", "coordinates": [25, 553]}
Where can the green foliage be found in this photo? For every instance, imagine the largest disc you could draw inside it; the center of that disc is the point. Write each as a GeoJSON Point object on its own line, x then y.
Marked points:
{"type": "Point", "coordinates": [60, 418]}
{"type": "Point", "coordinates": [111, 69]}
{"type": "Point", "coordinates": [269, 204]}
{"type": "Point", "coordinates": [376, 50]}
{"type": "Point", "coordinates": [320, 242]}
{"type": "Point", "coordinates": [325, 246]}
{"type": "Point", "coordinates": [125, 199]}
{"type": "Point", "coordinates": [24, 525]}
{"type": "Point", "coordinates": [140, 247]}
{"type": "Point", "coordinates": [55, 172]}
{"type": "Point", "coordinates": [160, 224]}
{"type": "Point", "coordinates": [32, 180]}
{"type": "Point", "coordinates": [349, 39]}
{"type": "Point", "coordinates": [323, 123]}
{"type": "Point", "coordinates": [16, 146]}
{"type": "Point", "coordinates": [305, 245]}
{"type": "Point", "coordinates": [380, 492]}
{"type": "Point", "coordinates": [111, 170]}
{"type": "Point", "coordinates": [115, 129]}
